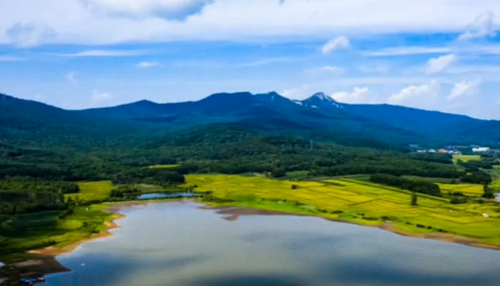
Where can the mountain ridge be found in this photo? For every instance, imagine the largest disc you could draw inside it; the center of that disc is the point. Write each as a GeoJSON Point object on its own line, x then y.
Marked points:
{"type": "Point", "coordinates": [270, 112]}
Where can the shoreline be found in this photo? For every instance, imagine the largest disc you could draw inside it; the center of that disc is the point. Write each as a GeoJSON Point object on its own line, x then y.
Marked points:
{"type": "Point", "coordinates": [56, 251]}
{"type": "Point", "coordinates": [114, 208]}
{"type": "Point", "coordinates": [444, 237]}
{"type": "Point", "coordinates": [234, 212]}
{"type": "Point", "coordinates": [228, 212]}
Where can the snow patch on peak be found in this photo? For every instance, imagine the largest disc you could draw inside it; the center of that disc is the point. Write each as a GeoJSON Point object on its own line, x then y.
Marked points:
{"type": "Point", "coordinates": [323, 96]}
{"type": "Point", "coordinates": [297, 102]}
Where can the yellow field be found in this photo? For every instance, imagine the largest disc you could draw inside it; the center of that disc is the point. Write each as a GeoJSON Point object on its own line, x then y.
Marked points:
{"type": "Point", "coordinates": [361, 202]}
{"type": "Point", "coordinates": [467, 189]}
{"type": "Point", "coordinates": [164, 166]}
{"type": "Point", "coordinates": [93, 191]}
{"type": "Point", "coordinates": [466, 158]}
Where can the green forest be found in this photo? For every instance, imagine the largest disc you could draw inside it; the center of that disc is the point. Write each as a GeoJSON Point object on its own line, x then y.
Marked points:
{"type": "Point", "coordinates": [36, 179]}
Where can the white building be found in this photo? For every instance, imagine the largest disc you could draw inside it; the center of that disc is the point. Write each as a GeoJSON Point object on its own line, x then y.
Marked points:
{"type": "Point", "coordinates": [481, 149]}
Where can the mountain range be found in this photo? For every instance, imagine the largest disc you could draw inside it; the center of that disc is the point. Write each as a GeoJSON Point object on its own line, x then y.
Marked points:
{"type": "Point", "coordinates": [318, 117]}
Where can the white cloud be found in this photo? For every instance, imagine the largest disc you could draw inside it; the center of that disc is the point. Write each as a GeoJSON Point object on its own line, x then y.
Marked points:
{"type": "Point", "coordinates": [464, 88]}
{"type": "Point", "coordinates": [11, 59]}
{"type": "Point", "coordinates": [332, 69]}
{"type": "Point", "coordinates": [145, 65]}
{"type": "Point", "coordinates": [27, 35]}
{"type": "Point", "coordinates": [268, 61]}
{"type": "Point", "coordinates": [335, 44]}
{"type": "Point", "coordinates": [71, 77]}
{"type": "Point", "coordinates": [377, 68]}
{"type": "Point", "coordinates": [441, 63]}
{"type": "Point", "coordinates": [172, 9]}
{"type": "Point", "coordinates": [482, 27]}
{"type": "Point", "coordinates": [98, 98]}
{"type": "Point", "coordinates": [420, 96]}
{"type": "Point", "coordinates": [297, 92]}
{"type": "Point", "coordinates": [106, 53]}
{"type": "Point", "coordinates": [415, 50]}
{"type": "Point", "coordinates": [229, 20]}
{"type": "Point", "coordinates": [407, 51]}
{"type": "Point", "coordinates": [357, 96]}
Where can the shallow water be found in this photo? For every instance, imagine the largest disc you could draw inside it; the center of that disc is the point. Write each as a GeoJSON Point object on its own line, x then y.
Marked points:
{"type": "Point", "coordinates": [176, 243]}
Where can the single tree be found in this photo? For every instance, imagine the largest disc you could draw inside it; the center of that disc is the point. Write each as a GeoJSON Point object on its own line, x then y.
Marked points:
{"type": "Point", "coordinates": [488, 193]}
{"type": "Point", "coordinates": [414, 199]}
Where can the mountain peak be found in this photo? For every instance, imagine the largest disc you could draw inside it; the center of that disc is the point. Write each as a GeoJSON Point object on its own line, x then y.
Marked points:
{"type": "Point", "coordinates": [322, 96]}
{"type": "Point", "coordinates": [321, 100]}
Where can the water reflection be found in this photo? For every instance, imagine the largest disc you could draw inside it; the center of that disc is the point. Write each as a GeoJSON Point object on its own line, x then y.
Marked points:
{"type": "Point", "coordinates": [179, 244]}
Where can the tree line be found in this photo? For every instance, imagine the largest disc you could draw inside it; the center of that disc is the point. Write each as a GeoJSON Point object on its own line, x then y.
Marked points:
{"type": "Point", "coordinates": [406, 184]}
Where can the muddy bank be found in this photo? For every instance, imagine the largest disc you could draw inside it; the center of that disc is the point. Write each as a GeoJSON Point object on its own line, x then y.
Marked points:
{"type": "Point", "coordinates": [446, 237]}
{"type": "Point", "coordinates": [233, 213]}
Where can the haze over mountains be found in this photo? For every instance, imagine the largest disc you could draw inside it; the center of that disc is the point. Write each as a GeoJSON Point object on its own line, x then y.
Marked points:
{"type": "Point", "coordinates": [318, 117]}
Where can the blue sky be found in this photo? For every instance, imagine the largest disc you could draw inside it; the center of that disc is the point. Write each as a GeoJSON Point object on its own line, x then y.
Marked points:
{"type": "Point", "coordinates": [433, 54]}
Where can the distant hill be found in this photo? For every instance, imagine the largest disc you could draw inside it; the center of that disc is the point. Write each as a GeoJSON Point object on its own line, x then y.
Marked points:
{"type": "Point", "coordinates": [318, 117]}
{"type": "Point", "coordinates": [34, 124]}
{"type": "Point", "coordinates": [444, 127]}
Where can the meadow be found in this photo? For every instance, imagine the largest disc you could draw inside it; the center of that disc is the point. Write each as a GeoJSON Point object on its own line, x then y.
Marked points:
{"type": "Point", "coordinates": [92, 191]}
{"type": "Point", "coordinates": [466, 158]}
{"type": "Point", "coordinates": [51, 228]}
{"type": "Point", "coordinates": [356, 201]}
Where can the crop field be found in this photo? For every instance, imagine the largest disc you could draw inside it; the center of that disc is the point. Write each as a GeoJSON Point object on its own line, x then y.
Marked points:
{"type": "Point", "coordinates": [469, 190]}
{"type": "Point", "coordinates": [164, 166]}
{"type": "Point", "coordinates": [93, 191]}
{"type": "Point", "coordinates": [466, 158]}
{"type": "Point", "coordinates": [358, 201]}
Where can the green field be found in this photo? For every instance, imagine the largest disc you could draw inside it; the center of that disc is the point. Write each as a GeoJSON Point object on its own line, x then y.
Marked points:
{"type": "Point", "coordinates": [39, 230]}
{"type": "Point", "coordinates": [164, 166]}
{"type": "Point", "coordinates": [466, 158]}
{"type": "Point", "coordinates": [351, 198]}
{"type": "Point", "coordinates": [495, 175]}
{"type": "Point", "coordinates": [356, 201]}
{"type": "Point", "coordinates": [93, 191]}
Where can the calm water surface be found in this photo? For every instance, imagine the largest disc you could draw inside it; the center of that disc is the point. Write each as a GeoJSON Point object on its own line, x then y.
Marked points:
{"type": "Point", "coordinates": [176, 243]}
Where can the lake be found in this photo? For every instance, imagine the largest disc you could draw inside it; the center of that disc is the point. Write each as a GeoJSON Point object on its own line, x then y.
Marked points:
{"type": "Point", "coordinates": [177, 243]}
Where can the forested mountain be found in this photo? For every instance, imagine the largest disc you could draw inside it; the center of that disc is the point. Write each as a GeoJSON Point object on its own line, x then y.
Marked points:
{"type": "Point", "coordinates": [33, 124]}
{"type": "Point", "coordinates": [319, 117]}
{"type": "Point", "coordinates": [434, 124]}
